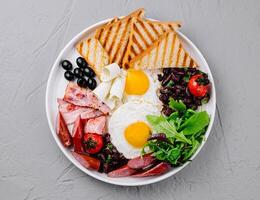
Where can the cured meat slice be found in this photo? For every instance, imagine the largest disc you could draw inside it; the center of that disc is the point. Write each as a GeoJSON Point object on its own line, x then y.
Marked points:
{"type": "Point", "coordinates": [159, 169]}
{"type": "Point", "coordinates": [95, 125]}
{"type": "Point", "coordinates": [82, 97]}
{"type": "Point", "coordinates": [121, 172]}
{"type": "Point", "coordinates": [63, 132]}
{"type": "Point", "coordinates": [141, 161]}
{"type": "Point", "coordinates": [87, 161]}
{"type": "Point", "coordinates": [78, 136]}
{"type": "Point", "coordinates": [70, 112]}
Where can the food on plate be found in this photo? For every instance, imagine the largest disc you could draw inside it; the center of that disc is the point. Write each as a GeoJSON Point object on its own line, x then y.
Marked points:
{"type": "Point", "coordinates": [82, 82]}
{"type": "Point", "coordinates": [159, 169]}
{"type": "Point", "coordinates": [129, 128]}
{"type": "Point", "coordinates": [111, 88]}
{"type": "Point", "coordinates": [122, 172]}
{"type": "Point", "coordinates": [142, 117]}
{"type": "Point", "coordinates": [117, 36]}
{"type": "Point", "coordinates": [110, 158]}
{"type": "Point", "coordinates": [94, 53]}
{"type": "Point", "coordinates": [96, 125]}
{"type": "Point", "coordinates": [137, 82]}
{"type": "Point", "coordinates": [83, 97]}
{"type": "Point", "coordinates": [70, 112]}
{"type": "Point", "coordinates": [63, 132]}
{"type": "Point", "coordinates": [89, 72]}
{"type": "Point", "coordinates": [110, 72]}
{"type": "Point", "coordinates": [66, 65]}
{"type": "Point", "coordinates": [84, 74]}
{"type": "Point", "coordinates": [198, 85]}
{"type": "Point", "coordinates": [141, 161]}
{"type": "Point", "coordinates": [167, 51]}
{"type": "Point", "coordinates": [69, 75]}
{"type": "Point", "coordinates": [78, 135]}
{"type": "Point", "coordinates": [78, 73]}
{"type": "Point", "coordinates": [184, 130]}
{"type": "Point", "coordinates": [87, 161]}
{"type": "Point", "coordinates": [145, 33]}
{"type": "Point", "coordinates": [81, 62]}
{"type": "Point", "coordinates": [174, 84]}
{"type": "Point", "coordinates": [93, 142]}
{"type": "Point", "coordinates": [101, 32]}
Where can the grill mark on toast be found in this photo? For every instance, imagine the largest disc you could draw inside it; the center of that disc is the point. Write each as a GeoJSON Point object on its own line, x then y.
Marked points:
{"type": "Point", "coordinates": [124, 51]}
{"type": "Point", "coordinates": [107, 36]}
{"type": "Point", "coordinates": [95, 50]}
{"type": "Point", "coordinates": [88, 46]}
{"type": "Point", "coordinates": [119, 43]}
{"type": "Point", "coordinates": [165, 47]}
{"type": "Point", "coordinates": [137, 44]}
{"type": "Point", "coordinates": [147, 32]}
{"type": "Point", "coordinates": [178, 55]}
{"type": "Point", "coordinates": [156, 55]}
{"type": "Point", "coordinates": [80, 48]}
{"type": "Point", "coordinates": [191, 62]}
{"type": "Point", "coordinates": [141, 36]}
{"type": "Point", "coordinates": [184, 59]}
{"type": "Point", "coordinates": [154, 29]}
{"type": "Point", "coordinates": [114, 37]}
{"type": "Point", "coordinates": [172, 49]}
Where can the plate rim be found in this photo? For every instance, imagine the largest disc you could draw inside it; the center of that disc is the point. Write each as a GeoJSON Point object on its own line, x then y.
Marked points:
{"type": "Point", "coordinates": [77, 37]}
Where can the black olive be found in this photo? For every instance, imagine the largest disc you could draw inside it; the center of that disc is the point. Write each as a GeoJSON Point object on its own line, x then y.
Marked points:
{"type": "Point", "coordinates": [89, 72]}
{"type": "Point", "coordinates": [78, 72]}
{"type": "Point", "coordinates": [82, 82]}
{"type": "Point", "coordinates": [69, 75]}
{"type": "Point", "coordinates": [91, 83]}
{"type": "Point", "coordinates": [81, 62]}
{"type": "Point", "coordinates": [66, 65]}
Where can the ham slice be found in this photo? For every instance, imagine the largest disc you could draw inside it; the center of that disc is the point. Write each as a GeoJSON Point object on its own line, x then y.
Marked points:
{"type": "Point", "coordinates": [82, 97]}
{"type": "Point", "coordinates": [96, 125]}
{"type": "Point", "coordinates": [70, 112]}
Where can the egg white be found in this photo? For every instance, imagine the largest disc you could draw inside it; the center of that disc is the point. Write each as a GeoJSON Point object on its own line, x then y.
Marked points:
{"type": "Point", "coordinates": [151, 94]}
{"type": "Point", "coordinates": [121, 118]}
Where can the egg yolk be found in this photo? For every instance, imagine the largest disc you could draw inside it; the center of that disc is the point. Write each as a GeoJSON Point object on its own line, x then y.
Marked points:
{"type": "Point", "coordinates": [137, 134]}
{"type": "Point", "coordinates": [137, 82]}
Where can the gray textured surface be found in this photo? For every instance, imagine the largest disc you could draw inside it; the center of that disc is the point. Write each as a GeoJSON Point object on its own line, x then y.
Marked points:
{"type": "Point", "coordinates": [31, 35]}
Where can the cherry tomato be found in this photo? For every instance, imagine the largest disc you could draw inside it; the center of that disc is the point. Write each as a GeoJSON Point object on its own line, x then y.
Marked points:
{"type": "Point", "coordinates": [197, 89]}
{"type": "Point", "coordinates": [93, 143]}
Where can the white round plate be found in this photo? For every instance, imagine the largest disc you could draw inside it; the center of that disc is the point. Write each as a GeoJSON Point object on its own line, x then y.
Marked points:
{"type": "Point", "coordinates": [56, 86]}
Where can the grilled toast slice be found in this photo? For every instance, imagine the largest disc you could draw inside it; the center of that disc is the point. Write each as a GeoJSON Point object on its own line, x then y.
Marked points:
{"type": "Point", "coordinates": [101, 32]}
{"type": "Point", "coordinates": [94, 53]}
{"type": "Point", "coordinates": [115, 36]}
{"type": "Point", "coordinates": [167, 51]}
{"type": "Point", "coordinates": [145, 33]}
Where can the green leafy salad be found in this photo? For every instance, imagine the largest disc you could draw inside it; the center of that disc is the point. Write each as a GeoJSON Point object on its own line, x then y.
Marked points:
{"type": "Point", "coordinates": [179, 135]}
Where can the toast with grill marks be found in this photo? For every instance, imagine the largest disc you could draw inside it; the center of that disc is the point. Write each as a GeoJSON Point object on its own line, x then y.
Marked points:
{"type": "Point", "coordinates": [101, 32]}
{"type": "Point", "coordinates": [94, 53]}
{"type": "Point", "coordinates": [115, 36]}
{"type": "Point", "coordinates": [165, 52]}
{"type": "Point", "coordinates": [145, 33]}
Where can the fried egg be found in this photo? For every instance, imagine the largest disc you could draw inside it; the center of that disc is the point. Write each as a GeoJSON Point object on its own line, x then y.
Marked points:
{"type": "Point", "coordinates": [129, 129]}
{"type": "Point", "coordinates": [142, 86]}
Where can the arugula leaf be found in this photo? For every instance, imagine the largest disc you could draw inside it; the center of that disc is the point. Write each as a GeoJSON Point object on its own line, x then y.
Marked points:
{"type": "Point", "coordinates": [173, 155]}
{"type": "Point", "coordinates": [161, 125]}
{"type": "Point", "coordinates": [182, 138]}
{"type": "Point", "coordinates": [177, 105]}
{"type": "Point", "coordinates": [195, 146]}
{"type": "Point", "coordinates": [175, 120]}
{"type": "Point", "coordinates": [195, 123]}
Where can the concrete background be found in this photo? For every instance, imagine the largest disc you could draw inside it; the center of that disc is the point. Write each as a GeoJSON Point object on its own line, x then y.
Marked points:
{"type": "Point", "coordinates": [31, 35]}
